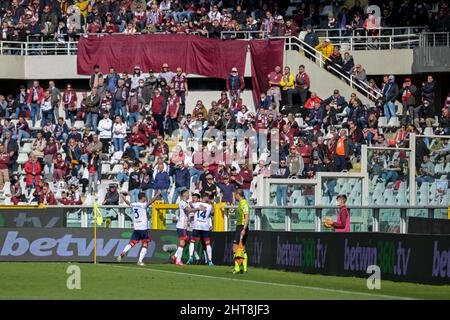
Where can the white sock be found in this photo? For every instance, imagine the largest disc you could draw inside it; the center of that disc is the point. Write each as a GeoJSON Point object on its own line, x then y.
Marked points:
{"type": "Point", "coordinates": [179, 253]}
{"type": "Point", "coordinates": [209, 252]}
{"type": "Point", "coordinates": [191, 249]}
{"type": "Point", "coordinates": [142, 254]}
{"type": "Point", "coordinates": [196, 255]}
{"type": "Point", "coordinates": [127, 247]}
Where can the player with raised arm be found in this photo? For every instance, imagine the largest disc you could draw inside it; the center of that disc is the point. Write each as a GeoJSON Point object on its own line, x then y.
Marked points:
{"type": "Point", "coordinates": [240, 238]}
{"type": "Point", "coordinates": [183, 216]}
{"type": "Point", "coordinates": [202, 227]}
{"type": "Point", "coordinates": [140, 225]}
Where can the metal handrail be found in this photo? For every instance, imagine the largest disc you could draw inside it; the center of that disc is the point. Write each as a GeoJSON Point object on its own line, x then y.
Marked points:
{"type": "Point", "coordinates": [393, 30]}
{"type": "Point", "coordinates": [349, 78]}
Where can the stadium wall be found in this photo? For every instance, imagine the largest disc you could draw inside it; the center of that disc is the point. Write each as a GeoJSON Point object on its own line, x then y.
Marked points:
{"type": "Point", "coordinates": [410, 258]}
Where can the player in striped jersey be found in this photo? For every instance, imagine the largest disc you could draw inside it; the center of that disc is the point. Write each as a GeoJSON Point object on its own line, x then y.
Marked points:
{"type": "Point", "coordinates": [140, 225]}
{"type": "Point", "coordinates": [185, 209]}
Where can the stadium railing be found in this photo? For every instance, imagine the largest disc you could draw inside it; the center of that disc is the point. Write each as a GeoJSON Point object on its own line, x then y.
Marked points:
{"type": "Point", "coordinates": [386, 31]}
{"type": "Point", "coordinates": [363, 218]}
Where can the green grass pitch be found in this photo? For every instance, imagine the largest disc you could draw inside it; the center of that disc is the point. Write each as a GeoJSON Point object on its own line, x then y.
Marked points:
{"type": "Point", "coordinates": [164, 281]}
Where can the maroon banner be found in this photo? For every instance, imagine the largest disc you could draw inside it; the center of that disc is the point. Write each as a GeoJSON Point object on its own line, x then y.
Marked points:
{"type": "Point", "coordinates": [196, 55]}
{"type": "Point", "coordinates": [266, 55]}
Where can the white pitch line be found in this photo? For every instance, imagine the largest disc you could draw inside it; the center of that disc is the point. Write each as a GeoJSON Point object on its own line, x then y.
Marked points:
{"type": "Point", "coordinates": [267, 283]}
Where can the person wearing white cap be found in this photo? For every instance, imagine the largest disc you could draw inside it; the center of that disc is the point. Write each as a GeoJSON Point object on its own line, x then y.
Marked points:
{"type": "Point", "coordinates": [137, 75]}
{"type": "Point", "coordinates": [235, 84]}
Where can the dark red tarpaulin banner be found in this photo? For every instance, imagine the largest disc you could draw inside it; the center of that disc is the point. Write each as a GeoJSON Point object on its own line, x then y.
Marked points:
{"type": "Point", "coordinates": [196, 55]}
{"type": "Point", "coordinates": [265, 55]}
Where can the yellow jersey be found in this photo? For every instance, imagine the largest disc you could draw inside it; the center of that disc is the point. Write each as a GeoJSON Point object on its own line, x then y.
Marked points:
{"type": "Point", "coordinates": [243, 210]}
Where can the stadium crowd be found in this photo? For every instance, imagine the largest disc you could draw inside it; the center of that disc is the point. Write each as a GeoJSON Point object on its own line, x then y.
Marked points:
{"type": "Point", "coordinates": [132, 124]}
{"type": "Point", "coordinates": [60, 20]}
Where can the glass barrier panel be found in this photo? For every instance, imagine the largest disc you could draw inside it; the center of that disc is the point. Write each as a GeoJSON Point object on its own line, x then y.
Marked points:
{"type": "Point", "coordinates": [73, 217]}
{"type": "Point", "coordinates": [351, 187]}
{"type": "Point", "coordinates": [273, 219]}
{"type": "Point", "coordinates": [390, 220]}
{"type": "Point", "coordinates": [433, 171]}
{"type": "Point", "coordinates": [110, 217]}
{"type": "Point", "coordinates": [292, 194]}
{"type": "Point", "coordinates": [232, 219]}
{"type": "Point", "coordinates": [303, 219]}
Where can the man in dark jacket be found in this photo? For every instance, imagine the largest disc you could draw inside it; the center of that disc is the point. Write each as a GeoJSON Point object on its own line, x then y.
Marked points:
{"type": "Point", "coordinates": [112, 196]}
{"type": "Point", "coordinates": [182, 179]}
{"type": "Point", "coordinates": [162, 182]}
{"type": "Point", "coordinates": [390, 93]}
{"type": "Point", "coordinates": [235, 83]}
{"type": "Point", "coordinates": [428, 89]}
{"type": "Point", "coordinates": [12, 148]}
{"type": "Point", "coordinates": [312, 40]}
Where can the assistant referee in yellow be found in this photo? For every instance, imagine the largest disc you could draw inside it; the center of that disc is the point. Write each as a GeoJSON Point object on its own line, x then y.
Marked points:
{"type": "Point", "coordinates": [240, 254]}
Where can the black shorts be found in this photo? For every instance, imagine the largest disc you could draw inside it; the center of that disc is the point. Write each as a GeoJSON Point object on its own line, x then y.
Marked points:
{"type": "Point", "coordinates": [237, 235]}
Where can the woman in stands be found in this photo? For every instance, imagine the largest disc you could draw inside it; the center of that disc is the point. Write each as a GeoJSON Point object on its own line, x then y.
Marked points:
{"type": "Point", "coordinates": [119, 132]}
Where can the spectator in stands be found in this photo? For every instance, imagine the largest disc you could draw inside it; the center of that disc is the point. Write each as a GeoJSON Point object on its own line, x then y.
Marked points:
{"type": "Point", "coordinates": [182, 179]}
{"type": "Point", "coordinates": [4, 166]}
{"type": "Point", "coordinates": [35, 96]}
{"type": "Point", "coordinates": [294, 162]}
{"type": "Point", "coordinates": [93, 82]}
{"type": "Point", "coordinates": [93, 167]}
{"type": "Point", "coordinates": [391, 173]}
{"type": "Point", "coordinates": [426, 171]}
{"type": "Point", "coordinates": [390, 93]}
{"type": "Point", "coordinates": [336, 62]}
{"type": "Point", "coordinates": [428, 89]}
{"type": "Point", "coordinates": [172, 113]}
{"type": "Point", "coordinates": [408, 97]}
{"type": "Point", "coordinates": [23, 130]}
{"type": "Point", "coordinates": [235, 84]}
{"type": "Point", "coordinates": [118, 134]}
{"type": "Point", "coordinates": [46, 196]}
{"type": "Point", "coordinates": [111, 196]}
{"type": "Point", "coordinates": [444, 123]}
{"type": "Point", "coordinates": [274, 91]}
{"type": "Point", "coordinates": [359, 74]}
{"type": "Point", "coordinates": [282, 172]}
{"type": "Point", "coordinates": [16, 192]}
{"type": "Point", "coordinates": [105, 131]}
{"type": "Point", "coordinates": [342, 151]}
{"type": "Point", "coordinates": [162, 182]}
{"type": "Point", "coordinates": [33, 170]}
{"type": "Point", "coordinates": [325, 48]}
{"type": "Point", "coordinates": [93, 109]}
{"type": "Point", "coordinates": [311, 40]}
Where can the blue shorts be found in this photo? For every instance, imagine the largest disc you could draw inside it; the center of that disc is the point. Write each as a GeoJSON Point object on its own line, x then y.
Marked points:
{"type": "Point", "coordinates": [200, 234]}
{"type": "Point", "coordinates": [182, 234]}
{"type": "Point", "coordinates": [140, 235]}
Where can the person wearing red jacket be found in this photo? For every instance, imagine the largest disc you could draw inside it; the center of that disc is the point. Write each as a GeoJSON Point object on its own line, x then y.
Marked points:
{"type": "Point", "coordinates": [313, 98]}
{"type": "Point", "coordinates": [304, 150]}
{"type": "Point", "coordinates": [35, 96]}
{"type": "Point", "coordinates": [33, 170]}
{"type": "Point", "coordinates": [137, 141]}
{"type": "Point", "coordinates": [46, 197]}
{"type": "Point", "coordinates": [150, 127]}
{"type": "Point", "coordinates": [4, 166]}
{"type": "Point", "coordinates": [247, 178]}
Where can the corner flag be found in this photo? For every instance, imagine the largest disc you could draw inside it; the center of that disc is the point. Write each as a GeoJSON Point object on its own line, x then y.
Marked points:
{"type": "Point", "coordinates": [97, 214]}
